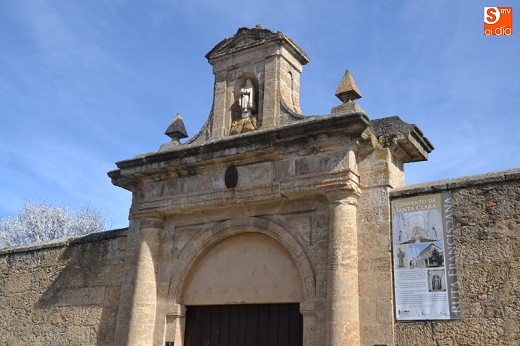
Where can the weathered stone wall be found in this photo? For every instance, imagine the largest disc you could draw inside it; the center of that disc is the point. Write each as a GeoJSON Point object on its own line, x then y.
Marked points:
{"type": "Point", "coordinates": [62, 292]}
{"type": "Point", "coordinates": [68, 292]}
{"type": "Point", "coordinates": [380, 175]}
{"type": "Point", "coordinates": [487, 228]}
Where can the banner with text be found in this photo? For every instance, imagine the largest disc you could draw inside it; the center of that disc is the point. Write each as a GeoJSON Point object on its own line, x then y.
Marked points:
{"type": "Point", "coordinates": [425, 274]}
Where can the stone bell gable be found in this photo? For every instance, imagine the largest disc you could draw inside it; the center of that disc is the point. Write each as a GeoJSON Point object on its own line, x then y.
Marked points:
{"type": "Point", "coordinates": [259, 65]}
{"type": "Point", "coordinates": [301, 201]}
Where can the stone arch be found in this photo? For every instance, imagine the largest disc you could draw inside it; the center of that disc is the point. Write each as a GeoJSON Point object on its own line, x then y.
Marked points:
{"type": "Point", "coordinates": [207, 239]}
{"type": "Point", "coordinates": [245, 268]}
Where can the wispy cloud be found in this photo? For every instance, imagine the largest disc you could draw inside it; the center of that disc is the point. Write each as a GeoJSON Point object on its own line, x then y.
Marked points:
{"type": "Point", "coordinates": [83, 85]}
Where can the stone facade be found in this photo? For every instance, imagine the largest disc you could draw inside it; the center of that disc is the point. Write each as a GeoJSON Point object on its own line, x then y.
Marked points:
{"type": "Point", "coordinates": [68, 292]}
{"type": "Point", "coordinates": [267, 206]}
{"type": "Point", "coordinates": [312, 190]}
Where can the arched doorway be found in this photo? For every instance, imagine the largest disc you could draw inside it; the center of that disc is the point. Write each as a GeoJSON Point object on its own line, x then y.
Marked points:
{"type": "Point", "coordinates": [245, 290]}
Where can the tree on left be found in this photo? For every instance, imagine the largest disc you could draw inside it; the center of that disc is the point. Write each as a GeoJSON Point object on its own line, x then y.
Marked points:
{"type": "Point", "coordinates": [42, 221]}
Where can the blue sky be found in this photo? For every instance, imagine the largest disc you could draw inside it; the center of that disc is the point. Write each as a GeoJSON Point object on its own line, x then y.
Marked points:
{"type": "Point", "coordinates": [84, 84]}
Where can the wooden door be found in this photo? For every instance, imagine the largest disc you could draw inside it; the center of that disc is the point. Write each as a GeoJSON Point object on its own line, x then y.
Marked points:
{"type": "Point", "coordinates": [244, 325]}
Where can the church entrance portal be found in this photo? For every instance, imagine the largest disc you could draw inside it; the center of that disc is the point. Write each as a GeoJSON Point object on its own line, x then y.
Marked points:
{"type": "Point", "coordinates": [244, 324]}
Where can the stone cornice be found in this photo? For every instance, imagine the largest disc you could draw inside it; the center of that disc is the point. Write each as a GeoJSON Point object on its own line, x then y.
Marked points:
{"type": "Point", "coordinates": [457, 183]}
{"type": "Point", "coordinates": [405, 140]}
{"type": "Point", "coordinates": [352, 125]}
{"type": "Point", "coordinates": [247, 38]}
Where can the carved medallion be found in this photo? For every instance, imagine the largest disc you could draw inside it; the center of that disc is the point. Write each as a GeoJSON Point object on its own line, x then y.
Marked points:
{"type": "Point", "coordinates": [231, 177]}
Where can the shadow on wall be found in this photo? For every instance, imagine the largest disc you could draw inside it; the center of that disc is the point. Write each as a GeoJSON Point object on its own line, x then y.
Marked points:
{"type": "Point", "coordinates": [78, 285]}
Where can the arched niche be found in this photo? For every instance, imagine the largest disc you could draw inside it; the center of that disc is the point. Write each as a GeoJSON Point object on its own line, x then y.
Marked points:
{"type": "Point", "coordinates": [236, 112]}
{"type": "Point", "coordinates": [244, 268]}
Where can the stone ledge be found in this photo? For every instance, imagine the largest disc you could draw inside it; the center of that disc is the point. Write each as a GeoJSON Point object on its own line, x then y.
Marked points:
{"type": "Point", "coordinates": [408, 137]}
{"type": "Point", "coordinates": [353, 124]}
{"type": "Point", "coordinates": [456, 183]}
{"type": "Point", "coordinates": [65, 242]}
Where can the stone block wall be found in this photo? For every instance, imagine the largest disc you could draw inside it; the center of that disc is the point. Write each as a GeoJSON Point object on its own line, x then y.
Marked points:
{"type": "Point", "coordinates": [487, 230]}
{"type": "Point", "coordinates": [64, 292]}
{"type": "Point", "coordinates": [380, 175]}
{"type": "Point", "coordinates": [69, 291]}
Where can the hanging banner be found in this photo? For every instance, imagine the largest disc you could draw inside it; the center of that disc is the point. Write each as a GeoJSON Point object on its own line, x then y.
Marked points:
{"type": "Point", "coordinates": [425, 274]}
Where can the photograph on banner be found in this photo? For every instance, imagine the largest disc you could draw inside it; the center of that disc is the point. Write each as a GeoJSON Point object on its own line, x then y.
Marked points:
{"type": "Point", "coordinates": [423, 249]}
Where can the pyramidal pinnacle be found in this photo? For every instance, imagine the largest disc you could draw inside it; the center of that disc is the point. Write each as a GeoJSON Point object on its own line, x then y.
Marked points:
{"type": "Point", "coordinates": [176, 130]}
{"type": "Point", "coordinates": [347, 90]}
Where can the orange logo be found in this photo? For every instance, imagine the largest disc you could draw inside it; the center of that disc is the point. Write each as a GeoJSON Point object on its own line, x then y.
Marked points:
{"type": "Point", "coordinates": [498, 21]}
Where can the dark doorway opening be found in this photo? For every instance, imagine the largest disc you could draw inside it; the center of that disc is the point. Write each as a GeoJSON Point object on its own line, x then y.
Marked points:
{"type": "Point", "coordinates": [241, 325]}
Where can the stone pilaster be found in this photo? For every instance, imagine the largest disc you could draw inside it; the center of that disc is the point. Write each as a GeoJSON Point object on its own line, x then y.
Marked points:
{"type": "Point", "coordinates": [343, 326]}
{"type": "Point", "coordinates": [175, 324]}
{"type": "Point", "coordinates": [308, 311]}
{"type": "Point", "coordinates": [142, 316]}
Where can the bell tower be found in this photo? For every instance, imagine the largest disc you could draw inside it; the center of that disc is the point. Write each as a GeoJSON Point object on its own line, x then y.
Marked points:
{"type": "Point", "coordinates": [257, 82]}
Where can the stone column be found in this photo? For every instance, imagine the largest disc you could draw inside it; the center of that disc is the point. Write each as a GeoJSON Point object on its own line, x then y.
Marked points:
{"type": "Point", "coordinates": [142, 316]}
{"type": "Point", "coordinates": [342, 288]}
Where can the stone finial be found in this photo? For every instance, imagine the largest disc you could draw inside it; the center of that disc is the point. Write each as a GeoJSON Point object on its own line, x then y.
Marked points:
{"type": "Point", "coordinates": [347, 90]}
{"type": "Point", "coordinates": [176, 130]}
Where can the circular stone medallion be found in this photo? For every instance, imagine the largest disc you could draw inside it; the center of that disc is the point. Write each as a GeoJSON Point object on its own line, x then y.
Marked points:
{"type": "Point", "coordinates": [231, 177]}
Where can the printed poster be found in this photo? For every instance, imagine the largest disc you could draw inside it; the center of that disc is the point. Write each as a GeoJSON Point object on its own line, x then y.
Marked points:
{"type": "Point", "coordinates": [425, 274]}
